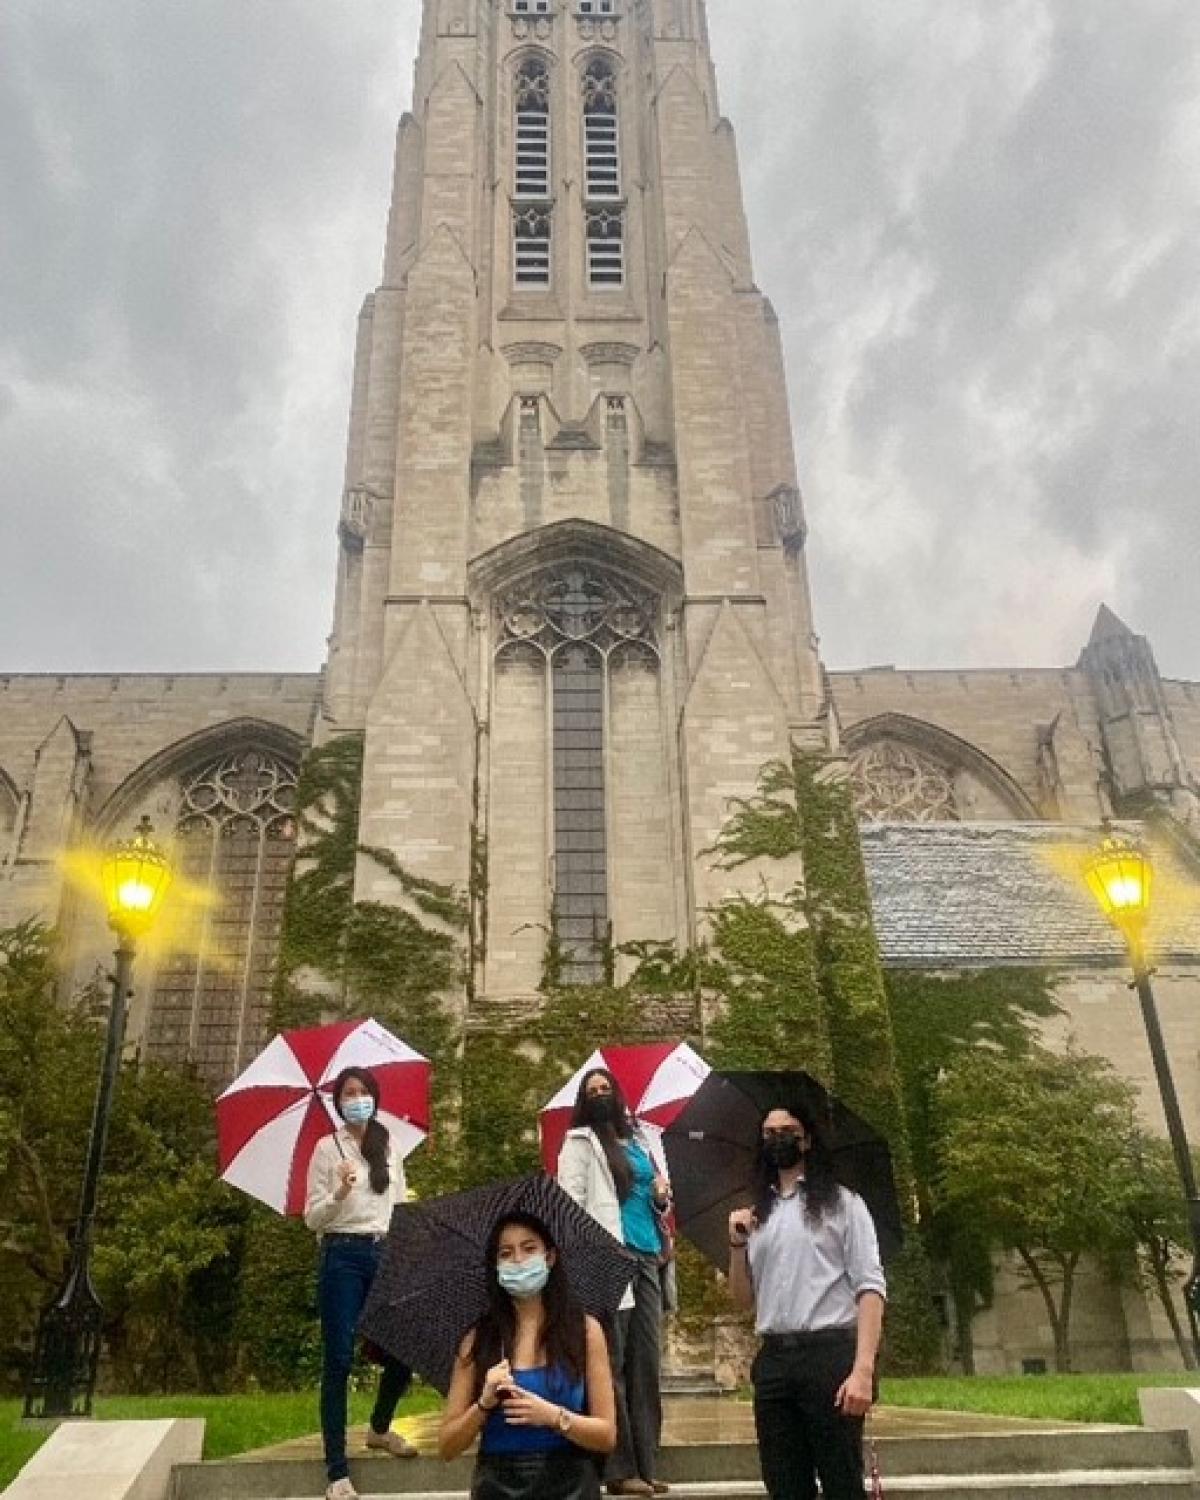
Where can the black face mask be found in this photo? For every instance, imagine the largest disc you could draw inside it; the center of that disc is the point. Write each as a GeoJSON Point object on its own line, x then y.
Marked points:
{"type": "Point", "coordinates": [601, 1109]}
{"type": "Point", "coordinates": [783, 1151]}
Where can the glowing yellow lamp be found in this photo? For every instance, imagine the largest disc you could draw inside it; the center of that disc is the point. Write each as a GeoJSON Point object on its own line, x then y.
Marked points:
{"type": "Point", "coordinates": [136, 877]}
{"type": "Point", "coordinates": [1119, 874]}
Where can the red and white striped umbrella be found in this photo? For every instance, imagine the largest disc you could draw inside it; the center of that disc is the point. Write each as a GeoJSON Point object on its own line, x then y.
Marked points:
{"type": "Point", "coordinates": [270, 1119]}
{"type": "Point", "coordinates": [657, 1080]}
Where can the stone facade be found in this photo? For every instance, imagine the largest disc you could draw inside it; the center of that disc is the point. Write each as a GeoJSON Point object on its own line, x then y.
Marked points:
{"type": "Point", "coordinates": [572, 612]}
{"type": "Point", "coordinates": [572, 616]}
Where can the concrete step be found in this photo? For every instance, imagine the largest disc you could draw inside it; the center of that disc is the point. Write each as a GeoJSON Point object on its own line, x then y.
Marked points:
{"type": "Point", "coordinates": [1089, 1484]}
{"type": "Point", "coordinates": [690, 1383]}
{"type": "Point", "coordinates": [1103, 1460]}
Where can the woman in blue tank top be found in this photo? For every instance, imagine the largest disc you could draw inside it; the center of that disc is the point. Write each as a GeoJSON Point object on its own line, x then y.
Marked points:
{"type": "Point", "coordinates": [532, 1380]}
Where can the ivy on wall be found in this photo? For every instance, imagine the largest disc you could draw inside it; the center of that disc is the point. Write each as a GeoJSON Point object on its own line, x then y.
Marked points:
{"type": "Point", "coordinates": [832, 1015]}
{"type": "Point", "coordinates": [398, 963]}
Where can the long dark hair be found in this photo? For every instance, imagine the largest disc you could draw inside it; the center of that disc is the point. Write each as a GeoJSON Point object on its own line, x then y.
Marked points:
{"type": "Point", "coordinates": [611, 1133]}
{"type": "Point", "coordinates": [375, 1138]}
{"type": "Point", "coordinates": [563, 1334]}
{"type": "Point", "coordinates": [822, 1190]}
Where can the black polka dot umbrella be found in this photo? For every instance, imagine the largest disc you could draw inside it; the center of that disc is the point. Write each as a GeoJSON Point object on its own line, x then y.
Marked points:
{"type": "Point", "coordinates": [430, 1288]}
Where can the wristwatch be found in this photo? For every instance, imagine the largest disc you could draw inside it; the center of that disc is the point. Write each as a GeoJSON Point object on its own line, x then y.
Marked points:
{"type": "Point", "coordinates": [565, 1419]}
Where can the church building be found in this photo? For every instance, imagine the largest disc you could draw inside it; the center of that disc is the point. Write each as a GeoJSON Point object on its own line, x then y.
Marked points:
{"type": "Point", "coordinates": [573, 619]}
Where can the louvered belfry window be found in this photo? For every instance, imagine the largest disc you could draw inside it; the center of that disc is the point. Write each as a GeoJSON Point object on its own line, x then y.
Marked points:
{"type": "Point", "coordinates": [602, 177]}
{"type": "Point", "coordinates": [532, 208]}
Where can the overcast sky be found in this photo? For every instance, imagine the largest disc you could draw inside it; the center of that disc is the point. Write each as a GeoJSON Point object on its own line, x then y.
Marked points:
{"type": "Point", "coordinates": [978, 220]}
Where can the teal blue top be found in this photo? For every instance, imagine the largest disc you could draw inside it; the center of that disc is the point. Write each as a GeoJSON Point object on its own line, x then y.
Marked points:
{"type": "Point", "coordinates": [554, 1385]}
{"type": "Point", "coordinates": [639, 1222]}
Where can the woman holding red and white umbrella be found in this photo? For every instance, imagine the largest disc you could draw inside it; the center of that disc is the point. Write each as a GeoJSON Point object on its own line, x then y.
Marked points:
{"type": "Point", "coordinates": [355, 1179]}
{"type": "Point", "coordinates": [319, 1124]}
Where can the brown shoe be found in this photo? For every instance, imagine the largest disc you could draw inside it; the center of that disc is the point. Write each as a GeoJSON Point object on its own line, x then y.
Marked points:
{"type": "Point", "coordinates": [631, 1487]}
{"type": "Point", "coordinates": [390, 1442]}
{"type": "Point", "coordinates": [660, 1486]}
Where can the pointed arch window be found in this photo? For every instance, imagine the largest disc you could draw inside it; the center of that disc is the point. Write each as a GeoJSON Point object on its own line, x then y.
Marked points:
{"type": "Point", "coordinates": [602, 154]}
{"type": "Point", "coordinates": [604, 213]}
{"type": "Point", "coordinates": [532, 208]}
{"type": "Point", "coordinates": [584, 624]}
{"type": "Point", "coordinates": [236, 835]}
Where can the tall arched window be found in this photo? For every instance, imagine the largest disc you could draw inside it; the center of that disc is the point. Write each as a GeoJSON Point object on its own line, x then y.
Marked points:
{"type": "Point", "coordinates": [236, 834]}
{"type": "Point", "coordinates": [585, 627]}
{"type": "Point", "coordinates": [532, 208]}
{"type": "Point", "coordinates": [604, 215]}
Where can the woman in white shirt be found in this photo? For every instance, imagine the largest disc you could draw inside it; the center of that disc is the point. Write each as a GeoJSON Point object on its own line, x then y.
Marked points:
{"type": "Point", "coordinates": [355, 1178]}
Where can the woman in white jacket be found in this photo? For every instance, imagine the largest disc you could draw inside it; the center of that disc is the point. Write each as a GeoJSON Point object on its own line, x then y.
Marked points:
{"type": "Point", "coordinates": [355, 1178]}
{"type": "Point", "coordinates": [607, 1167]}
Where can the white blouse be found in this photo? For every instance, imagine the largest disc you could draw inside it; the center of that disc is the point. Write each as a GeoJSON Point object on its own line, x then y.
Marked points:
{"type": "Point", "coordinates": [362, 1210]}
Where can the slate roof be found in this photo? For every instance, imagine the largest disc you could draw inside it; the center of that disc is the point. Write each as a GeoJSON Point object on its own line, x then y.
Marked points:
{"type": "Point", "coordinates": [973, 895]}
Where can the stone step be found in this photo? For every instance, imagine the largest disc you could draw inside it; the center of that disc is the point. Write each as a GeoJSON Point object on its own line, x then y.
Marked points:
{"type": "Point", "coordinates": [920, 1465]}
{"type": "Point", "coordinates": [1084, 1484]}
{"type": "Point", "coordinates": [690, 1382]}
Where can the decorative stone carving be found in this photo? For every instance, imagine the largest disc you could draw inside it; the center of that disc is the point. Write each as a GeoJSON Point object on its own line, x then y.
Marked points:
{"type": "Point", "coordinates": [248, 789]}
{"type": "Point", "coordinates": [893, 783]}
{"type": "Point", "coordinates": [789, 517]}
{"type": "Point", "coordinates": [355, 523]}
{"type": "Point", "coordinates": [577, 602]}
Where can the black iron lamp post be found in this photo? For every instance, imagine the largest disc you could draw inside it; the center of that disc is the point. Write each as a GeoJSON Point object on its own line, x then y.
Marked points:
{"type": "Point", "coordinates": [62, 1376]}
{"type": "Point", "coordinates": [1120, 875]}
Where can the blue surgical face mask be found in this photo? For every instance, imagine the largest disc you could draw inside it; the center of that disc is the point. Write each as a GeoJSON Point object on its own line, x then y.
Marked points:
{"type": "Point", "coordinates": [358, 1111]}
{"type": "Point", "coordinates": [524, 1280]}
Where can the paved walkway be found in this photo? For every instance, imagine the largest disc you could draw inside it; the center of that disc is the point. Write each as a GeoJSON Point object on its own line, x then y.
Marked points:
{"type": "Point", "coordinates": [702, 1419]}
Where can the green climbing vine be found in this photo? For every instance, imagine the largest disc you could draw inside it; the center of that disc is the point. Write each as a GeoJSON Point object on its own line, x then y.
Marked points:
{"type": "Point", "coordinates": [835, 1008]}
{"type": "Point", "coordinates": [341, 957]}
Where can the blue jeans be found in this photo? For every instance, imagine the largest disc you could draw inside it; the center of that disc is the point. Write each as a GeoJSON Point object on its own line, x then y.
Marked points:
{"type": "Point", "coordinates": [348, 1266]}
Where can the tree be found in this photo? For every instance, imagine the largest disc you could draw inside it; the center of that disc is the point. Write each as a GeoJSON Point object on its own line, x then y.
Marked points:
{"type": "Point", "coordinates": [1159, 1230]}
{"type": "Point", "coordinates": [1036, 1153]}
{"type": "Point", "coordinates": [938, 1019]}
{"type": "Point", "coordinates": [49, 1062]}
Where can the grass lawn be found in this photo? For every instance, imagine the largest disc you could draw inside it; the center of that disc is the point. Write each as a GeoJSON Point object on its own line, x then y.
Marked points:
{"type": "Point", "coordinates": [234, 1424]}
{"type": "Point", "coordinates": [1061, 1398]}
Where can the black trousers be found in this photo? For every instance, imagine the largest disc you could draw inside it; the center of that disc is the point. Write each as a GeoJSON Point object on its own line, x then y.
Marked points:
{"type": "Point", "coordinates": [802, 1437]}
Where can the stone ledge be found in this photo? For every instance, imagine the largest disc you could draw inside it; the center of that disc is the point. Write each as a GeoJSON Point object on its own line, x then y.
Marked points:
{"type": "Point", "coordinates": [109, 1461]}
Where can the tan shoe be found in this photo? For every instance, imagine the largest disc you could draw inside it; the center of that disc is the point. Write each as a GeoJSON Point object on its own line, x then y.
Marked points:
{"type": "Point", "coordinates": [390, 1442]}
{"type": "Point", "coordinates": [341, 1489]}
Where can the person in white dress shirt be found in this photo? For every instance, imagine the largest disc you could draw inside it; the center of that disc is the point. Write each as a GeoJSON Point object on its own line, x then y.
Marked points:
{"type": "Point", "coordinates": [355, 1178]}
{"type": "Point", "coordinates": [806, 1259]}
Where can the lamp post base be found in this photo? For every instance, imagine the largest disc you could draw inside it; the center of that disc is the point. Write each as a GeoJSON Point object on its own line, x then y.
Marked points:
{"type": "Point", "coordinates": [67, 1352]}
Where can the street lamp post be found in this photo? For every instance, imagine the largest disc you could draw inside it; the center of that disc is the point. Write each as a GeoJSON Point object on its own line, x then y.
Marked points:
{"type": "Point", "coordinates": [62, 1376]}
{"type": "Point", "coordinates": [1120, 875]}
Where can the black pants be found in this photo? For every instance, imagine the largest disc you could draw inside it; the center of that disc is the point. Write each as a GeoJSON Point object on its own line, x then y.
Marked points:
{"type": "Point", "coordinates": [635, 1349]}
{"type": "Point", "coordinates": [802, 1437]}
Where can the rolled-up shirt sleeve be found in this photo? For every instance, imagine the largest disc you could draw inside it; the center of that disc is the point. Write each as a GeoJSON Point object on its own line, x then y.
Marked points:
{"type": "Point", "coordinates": [864, 1269]}
{"type": "Point", "coordinates": [320, 1205]}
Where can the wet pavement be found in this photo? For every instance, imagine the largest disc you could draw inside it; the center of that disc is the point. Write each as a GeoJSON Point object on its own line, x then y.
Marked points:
{"type": "Point", "coordinates": [693, 1420]}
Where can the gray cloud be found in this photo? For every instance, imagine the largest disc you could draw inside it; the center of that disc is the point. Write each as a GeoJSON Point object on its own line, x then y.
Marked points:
{"type": "Point", "coordinates": [978, 224]}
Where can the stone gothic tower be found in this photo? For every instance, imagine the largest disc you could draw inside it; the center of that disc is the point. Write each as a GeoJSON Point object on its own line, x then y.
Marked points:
{"type": "Point", "coordinates": [572, 618]}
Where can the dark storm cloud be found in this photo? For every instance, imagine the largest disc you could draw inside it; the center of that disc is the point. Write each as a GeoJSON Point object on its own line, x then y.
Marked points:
{"type": "Point", "coordinates": [193, 200]}
{"type": "Point", "coordinates": [978, 223]}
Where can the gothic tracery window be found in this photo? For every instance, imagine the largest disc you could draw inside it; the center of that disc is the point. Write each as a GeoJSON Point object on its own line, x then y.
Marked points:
{"type": "Point", "coordinates": [582, 624]}
{"type": "Point", "coordinates": [894, 783]}
{"type": "Point", "coordinates": [236, 834]}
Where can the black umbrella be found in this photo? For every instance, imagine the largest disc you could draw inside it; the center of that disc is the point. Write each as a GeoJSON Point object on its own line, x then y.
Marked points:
{"type": "Point", "coordinates": [711, 1150]}
{"type": "Point", "coordinates": [430, 1288]}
